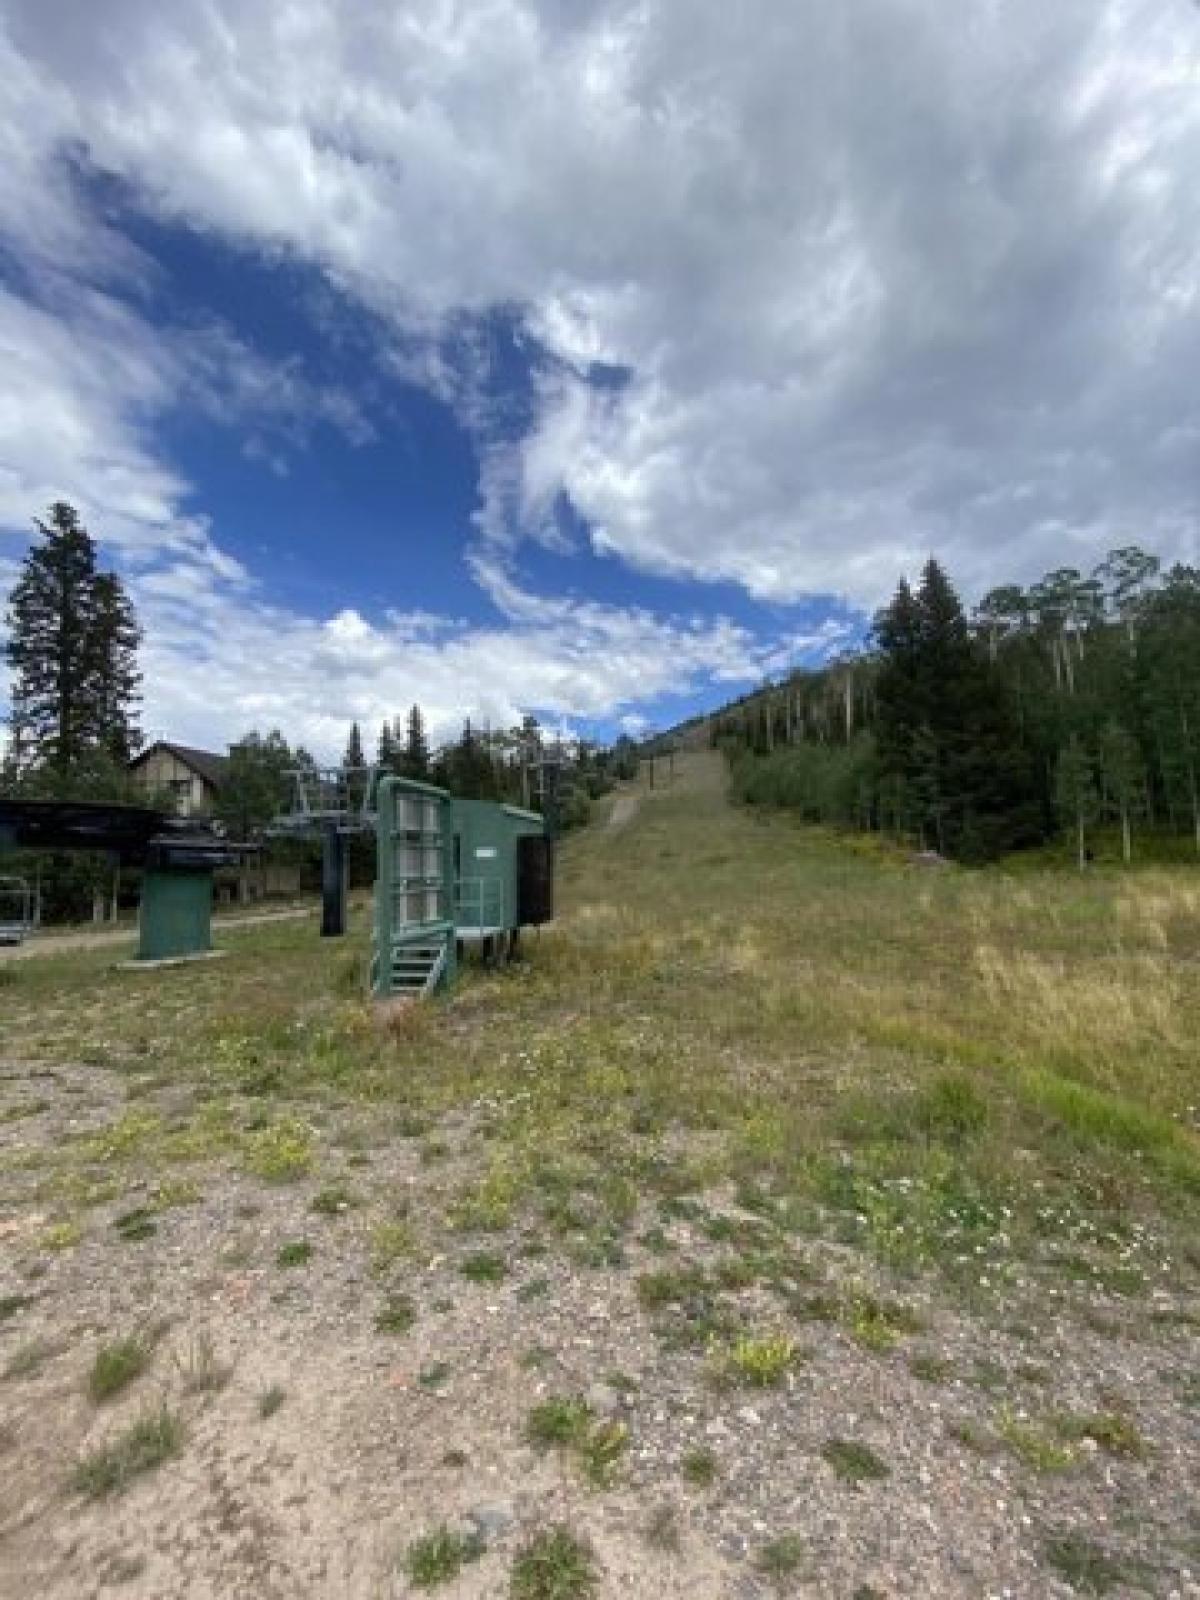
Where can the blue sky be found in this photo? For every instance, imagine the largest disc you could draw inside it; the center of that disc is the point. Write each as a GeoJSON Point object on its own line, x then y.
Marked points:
{"type": "Point", "coordinates": [591, 361]}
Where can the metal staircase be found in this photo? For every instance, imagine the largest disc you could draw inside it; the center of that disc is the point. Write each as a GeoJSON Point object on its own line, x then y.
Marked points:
{"type": "Point", "coordinates": [416, 968]}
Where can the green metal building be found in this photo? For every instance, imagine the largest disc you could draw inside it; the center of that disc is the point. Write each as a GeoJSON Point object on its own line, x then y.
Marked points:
{"type": "Point", "coordinates": [451, 873]}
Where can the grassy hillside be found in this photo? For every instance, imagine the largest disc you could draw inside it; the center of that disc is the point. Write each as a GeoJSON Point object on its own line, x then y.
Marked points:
{"type": "Point", "coordinates": [764, 1097]}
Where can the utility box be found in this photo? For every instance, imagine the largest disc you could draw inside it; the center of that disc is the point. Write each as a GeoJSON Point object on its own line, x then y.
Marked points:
{"type": "Point", "coordinates": [451, 872]}
{"type": "Point", "coordinates": [487, 842]}
{"type": "Point", "coordinates": [175, 919]}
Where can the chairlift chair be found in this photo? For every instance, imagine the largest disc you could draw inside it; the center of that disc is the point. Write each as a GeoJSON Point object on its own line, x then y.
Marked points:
{"type": "Point", "coordinates": [17, 919]}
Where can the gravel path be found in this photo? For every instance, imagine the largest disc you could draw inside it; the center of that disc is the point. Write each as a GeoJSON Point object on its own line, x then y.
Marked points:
{"type": "Point", "coordinates": [53, 944]}
{"type": "Point", "coordinates": [625, 808]}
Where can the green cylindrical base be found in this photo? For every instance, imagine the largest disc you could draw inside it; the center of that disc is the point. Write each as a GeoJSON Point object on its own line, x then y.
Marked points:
{"type": "Point", "coordinates": [176, 915]}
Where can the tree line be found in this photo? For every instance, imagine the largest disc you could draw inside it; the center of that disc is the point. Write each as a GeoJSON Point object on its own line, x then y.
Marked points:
{"type": "Point", "coordinates": [515, 765]}
{"type": "Point", "coordinates": [1064, 707]}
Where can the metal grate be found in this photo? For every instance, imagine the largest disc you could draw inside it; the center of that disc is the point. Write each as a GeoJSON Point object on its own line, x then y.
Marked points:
{"type": "Point", "coordinates": [414, 901]}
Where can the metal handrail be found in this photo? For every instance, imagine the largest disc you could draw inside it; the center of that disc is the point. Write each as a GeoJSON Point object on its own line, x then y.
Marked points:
{"type": "Point", "coordinates": [479, 902]}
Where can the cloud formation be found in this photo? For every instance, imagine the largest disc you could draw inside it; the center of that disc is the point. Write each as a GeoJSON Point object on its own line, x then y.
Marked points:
{"type": "Point", "coordinates": [808, 290]}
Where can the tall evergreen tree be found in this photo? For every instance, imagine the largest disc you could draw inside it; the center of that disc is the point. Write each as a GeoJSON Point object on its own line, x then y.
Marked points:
{"type": "Point", "coordinates": [387, 751]}
{"type": "Point", "coordinates": [72, 647]}
{"type": "Point", "coordinates": [415, 760]}
{"type": "Point", "coordinates": [353, 757]}
{"type": "Point", "coordinates": [1169, 664]}
{"type": "Point", "coordinates": [354, 761]}
{"type": "Point", "coordinates": [945, 727]}
{"type": "Point", "coordinates": [113, 669]}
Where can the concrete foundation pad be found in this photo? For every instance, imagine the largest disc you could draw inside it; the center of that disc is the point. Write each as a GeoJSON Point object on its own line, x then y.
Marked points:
{"type": "Point", "coordinates": [170, 961]}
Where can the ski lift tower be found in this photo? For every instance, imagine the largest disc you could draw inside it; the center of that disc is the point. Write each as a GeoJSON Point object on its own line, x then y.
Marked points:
{"type": "Point", "coordinates": [330, 804]}
{"type": "Point", "coordinates": [546, 763]}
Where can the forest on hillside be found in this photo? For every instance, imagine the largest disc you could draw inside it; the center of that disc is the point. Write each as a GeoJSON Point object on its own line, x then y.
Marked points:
{"type": "Point", "coordinates": [1064, 707]}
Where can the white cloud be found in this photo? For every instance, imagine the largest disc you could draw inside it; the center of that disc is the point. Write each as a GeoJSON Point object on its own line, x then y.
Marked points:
{"type": "Point", "coordinates": [219, 662]}
{"type": "Point", "coordinates": [880, 277]}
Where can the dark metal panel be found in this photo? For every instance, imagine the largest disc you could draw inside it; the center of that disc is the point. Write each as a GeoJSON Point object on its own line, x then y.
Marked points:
{"type": "Point", "coordinates": [535, 880]}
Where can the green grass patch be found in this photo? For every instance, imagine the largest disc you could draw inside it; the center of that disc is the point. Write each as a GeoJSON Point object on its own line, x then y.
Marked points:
{"type": "Point", "coordinates": [1038, 1447]}
{"type": "Point", "coordinates": [566, 1423]}
{"type": "Point", "coordinates": [930, 1368]}
{"type": "Point", "coordinates": [601, 1450]}
{"type": "Point", "coordinates": [389, 1243]}
{"type": "Point", "coordinates": [484, 1266]}
{"type": "Point", "coordinates": [154, 1438]}
{"type": "Point", "coordinates": [271, 1400]}
{"type": "Point", "coordinates": [397, 1314]}
{"type": "Point", "coordinates": [559, 1422]}
{"type": "Point", "coordinates": [438, 1557]}
{"type": "Point", "coordinates": [1093, 1116]}
{"type": "Point", "coordinates": [555, 1564]}
{"type": "Point", "coordinates": [757, 1361]}
{"type": "Point", "coordinates": [131, 1227]}
{"type": "Point", "coordinates": [296, 1253]}
{"type": "Point", "coordinates": [1115, 1434]}
{"type": "Point", "coordinates": [335, 1200]}
{"type": "Point", "coordinates": [280, 1153]}
{"type": "Point", "coordinates": [782, 1558]}
{"type": "Point", "coordinates": [854, 1462]}
{"type": "Point", "coordinates": [116, 1365]}
{"type": "Point", "coordinates": [62, 1236]}
{"type": "Point", "coordinates": [699, 1468]}
{"type": "Point", "coordinates": [1087, 1566]}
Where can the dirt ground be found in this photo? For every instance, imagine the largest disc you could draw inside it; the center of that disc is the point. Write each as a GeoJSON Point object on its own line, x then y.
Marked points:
{"type": "Point", "coordinates": [379, 1436]}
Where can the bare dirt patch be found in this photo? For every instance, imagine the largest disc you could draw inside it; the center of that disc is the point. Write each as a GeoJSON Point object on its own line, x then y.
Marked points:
{"type": "Point", "coordinates": [373, 1437]}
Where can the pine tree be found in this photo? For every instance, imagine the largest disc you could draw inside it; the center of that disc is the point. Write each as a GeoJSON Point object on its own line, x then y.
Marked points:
{"type": "Point", "coordinates": [898, 693]}
{"type": "Point", "coordinates": [415, 760]}
{"type": "Point", "coordinates": [354, 775]}
{"type": "Point", "coordinates": [113, 670]}
{"type": "Point", "coordinates": [469, 767]}
{"type": "Point", "coordinates": [387, 752]}
{"type": "Point", "coordinates": [353, 759]}
{"type": "Point", "coordinates": [72, 647]}
{"type": "Point", "coordinates": [945, 726]}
